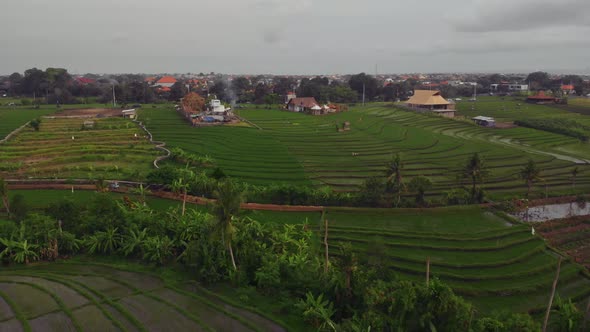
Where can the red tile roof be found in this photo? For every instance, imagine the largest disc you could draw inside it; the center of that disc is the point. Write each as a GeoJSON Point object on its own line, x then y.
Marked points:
{"type": "Point", "coordinates": [568, 87]}
{"type": "Point", "coordinates": [541, 96]}
{"type": "Point", "coordinates": [167, 79]}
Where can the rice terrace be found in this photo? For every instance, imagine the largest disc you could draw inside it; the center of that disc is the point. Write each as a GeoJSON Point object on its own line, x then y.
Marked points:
{"type": "Point", "coordinates": [217, 202]}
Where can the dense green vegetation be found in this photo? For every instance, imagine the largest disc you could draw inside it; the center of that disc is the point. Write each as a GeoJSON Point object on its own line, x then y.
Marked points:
{"type": "Point", "coordinates": [481, 256]}
{"type": "Point", "coordinates": [558, 126]}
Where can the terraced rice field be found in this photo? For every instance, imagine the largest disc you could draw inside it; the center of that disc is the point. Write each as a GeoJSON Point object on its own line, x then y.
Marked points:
{"type": "Point", "coordinates": [62, 149]}
{"type": "Point", "coordinates": [88, 297]}
{"type": "Point", "coordinates": [572, 236]}
{"type": "Point", "coordinates": [482, 257]}
{"type": "Point", "coordinates": [299, 149]}
{"type": "Point", "coordinates": [11, 119]}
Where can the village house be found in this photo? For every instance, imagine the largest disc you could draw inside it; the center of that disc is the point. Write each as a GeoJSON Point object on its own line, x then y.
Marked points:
{"type": "Point", "coordinates": [568, 89]}
{"type": "Point", "coordinates": [431, 101]}
{"type": "Point", "coordinates": [305, 104]}
{"type": "Point", "coordinates": [166, 82]}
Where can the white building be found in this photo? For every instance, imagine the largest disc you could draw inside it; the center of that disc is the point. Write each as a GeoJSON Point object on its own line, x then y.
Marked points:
{"type": "Point", "coordinates": [216, 106]}
{"type": "Point", "coordinates": [509, 87]}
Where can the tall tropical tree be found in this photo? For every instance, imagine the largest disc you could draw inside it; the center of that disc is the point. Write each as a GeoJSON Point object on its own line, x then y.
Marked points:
{"type": "Point", "coordinates": [420, 185]}
{"type": "Point", "coordinates": [226, 209]}
{"type": "Point", "coordinates": [180, 187]}
{"type": "Point", "coordinates": [530, 174]}
{"type": "Point", "coordinates": [101, 184]}
{"type": "Point", "coordinates": [475, 170]}
{"type": "Point", "coordinates": [394, 183]}
{"type": "Point", "coordinates": [348, 264]}
{"type": "Point", "coordinates": [4, 194]}
{"type": "Point", "coordinates": [574, 174]}
{"type": "Point", "coordinates": [142, 192]}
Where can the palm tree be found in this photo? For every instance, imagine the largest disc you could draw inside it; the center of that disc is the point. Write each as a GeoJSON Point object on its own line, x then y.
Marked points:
{"type": "Point", "coordinates": [393, 172]}
{"type": "Point", "coordinates": [101, 185]}
{"type": "Point", "coordinates": [181, 187]}
{"type": "Point", "coordinates": [348, 263]}
{"type": "Point", "coordinates": [4, 194]}
{"type": "Point", "coordinates": [530, 173]}
{"type": "Point", "coordinates": [420, 185]}
{"type": "Point", "coordinates": [476, 171]}
{"type": "Point", "coordinates": [574, 173]}
{"type": "Point", "coordinates": [142, 192]}
{"type": "Point", "coordinates": [226, 208]}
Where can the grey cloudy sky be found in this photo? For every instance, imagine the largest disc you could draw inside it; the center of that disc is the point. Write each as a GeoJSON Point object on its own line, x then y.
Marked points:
{"type": "Point", "coordinates": [295, 36]}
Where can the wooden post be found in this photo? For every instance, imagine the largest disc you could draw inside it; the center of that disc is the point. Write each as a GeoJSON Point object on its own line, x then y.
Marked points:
{"type": "Point", "coordinates": [552, 296]}
{"type": "Point", "coordinates": [427, 271]}
{"type": "Point", "coordinates": [326, 265]}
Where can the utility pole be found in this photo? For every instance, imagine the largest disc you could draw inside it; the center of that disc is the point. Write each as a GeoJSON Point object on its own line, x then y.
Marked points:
{"type": "Point", "coordinates": [363, 94]}
{"type": "Point", "coordinates": [114, 99]}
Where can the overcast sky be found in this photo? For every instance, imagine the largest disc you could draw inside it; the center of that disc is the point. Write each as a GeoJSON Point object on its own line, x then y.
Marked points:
{"type": "Point", "coordinates": [295, 36]}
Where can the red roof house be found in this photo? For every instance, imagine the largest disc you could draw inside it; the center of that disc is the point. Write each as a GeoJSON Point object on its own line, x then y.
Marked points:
{"type": "Point", "coordinates": [166, 81]}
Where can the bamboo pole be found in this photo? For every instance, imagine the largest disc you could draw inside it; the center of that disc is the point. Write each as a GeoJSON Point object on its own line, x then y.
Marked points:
{"type": "Point", "coordinates": [552, 295]}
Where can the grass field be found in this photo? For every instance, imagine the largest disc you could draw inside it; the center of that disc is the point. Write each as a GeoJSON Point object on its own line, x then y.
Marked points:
{"type": "Point", "coordinates": [299, 149]}
{"type": "Point", "coordinates": [62, 149]}
{"type": "Point", "coordinates": [11, 119]}
{"type": "Point", "coordinates": [85, 296]}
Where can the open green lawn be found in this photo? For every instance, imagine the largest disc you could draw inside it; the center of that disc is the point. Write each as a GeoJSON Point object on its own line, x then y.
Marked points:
{"type": "Point", "coordinates": [299, 149]}
{"type": "Point", "coordinates": [10, 119]}
{"type": "Point", "coordinates": [81, 295]}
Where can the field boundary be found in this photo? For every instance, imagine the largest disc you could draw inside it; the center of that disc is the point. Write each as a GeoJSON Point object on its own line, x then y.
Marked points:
{"type": "Point", "coordinates": [14, 132]}
{"type": "Point", "coordinates": [160, 146]}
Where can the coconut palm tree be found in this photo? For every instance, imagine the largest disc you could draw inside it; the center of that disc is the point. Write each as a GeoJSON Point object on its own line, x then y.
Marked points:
{"type": "Point", "coordinates": [180, 186]}
{"type": "Point", "coordinates": [574, 174]}
{"type": "Point", "coordinates": [530, 174]}
{"type": "Point", "coordinates": [348, 264]}
{"type": "Point", "coordinates": [101, 185]}
{"type": "Point", "coordinates": [226, 209]}
{"type": "Point", "coordinates": [420, 185]}
{"type": "Point", "coordinates": [4, 194]}
{"type": "Point", "coordinates": [142, 192]}
{"type": "Point", "coordinates": [393, 172]}
{"type": "Point", "coordinates": [476, 171]}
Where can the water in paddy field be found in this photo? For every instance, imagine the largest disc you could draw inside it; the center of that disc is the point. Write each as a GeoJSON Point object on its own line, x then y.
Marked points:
{"type": "Point", "coordinates": [555, 211]}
